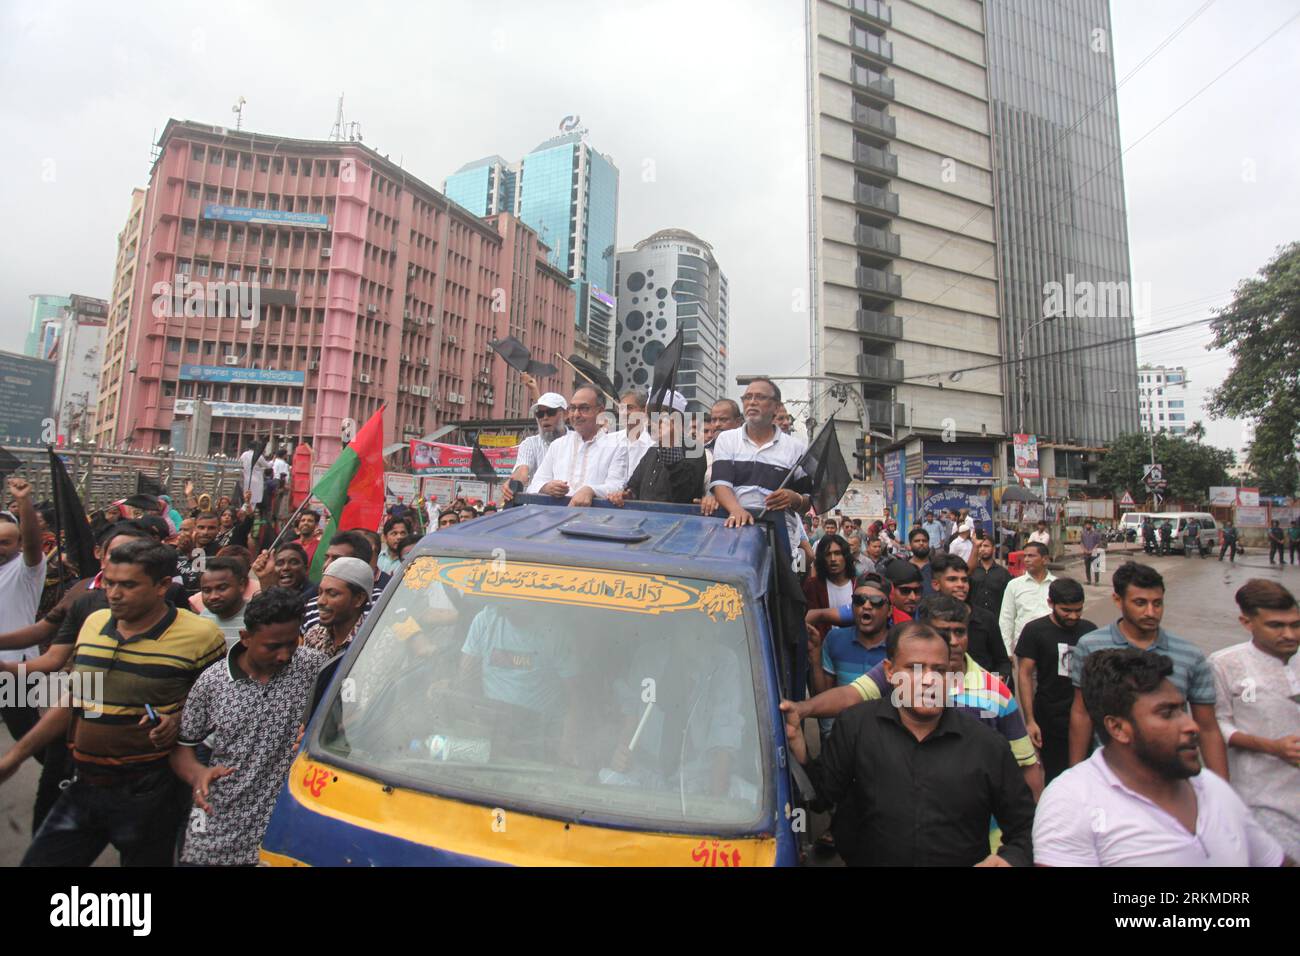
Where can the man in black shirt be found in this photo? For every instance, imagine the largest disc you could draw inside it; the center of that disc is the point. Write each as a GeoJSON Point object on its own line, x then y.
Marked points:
{"type": "Point", "coordinates": [988, 579]}
{"type": "Point", "coordinates": [920, 780]}
{"type": "Point", "coordinates": [191, 564]}
{"type": "Point", "coordinates": [986, 646]}
{"type": "Point", "coordinates": [1043, 654]}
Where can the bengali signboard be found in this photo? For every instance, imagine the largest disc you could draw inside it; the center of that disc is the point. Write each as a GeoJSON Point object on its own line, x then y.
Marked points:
{"type": "Point", "coordinates": [26, 398]}
{"type": "Point", "coordinates": [1251, 517]}
{"type": "Point", "coordinates": [1223, 495]}
{"type": "Point", "coordinates": [978, 467]}
{"type": "Point", "coordinates": [472, 490]}
{"type": "Point", "coordinates": [265, 217]}
{"type": "Point", "coordinates": [241, 376]}
{"type": "Point", "coordinates": [979, 501]}
{"type": "Point", "coordinates": [275, 413]}
{"type": "Point", "coordinates": [439, 458]}
{"type": "Point", "coordinates": [441, 491]}
{"type": "Point", "coordinates": [1248, 497]}
{"type": "Point", "coordinates": [1026, 448]}
{"type": "Point", "coordinates": [399, 488]}
{"type": "Point", "coordinates": [497, 441]}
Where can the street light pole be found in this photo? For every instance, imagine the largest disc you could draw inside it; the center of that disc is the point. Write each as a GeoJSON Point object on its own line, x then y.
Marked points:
{"type": "Point", "coordinates": [1022, 374]}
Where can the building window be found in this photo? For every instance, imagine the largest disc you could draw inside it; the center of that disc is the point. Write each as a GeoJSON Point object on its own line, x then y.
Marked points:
{"type": "Point", "coordinates": [192, 345]}
{"type": "Point", "coordinates": [187, 227]}
{"type": "Point", "coordinates": [187, 389]}
{"type": "Point", "coordinates": [196, 152]}
{"type": "Point", "coordinates": [174, 345]}
{"type": "Point", "coordinates": [192, 190]}
{"type": "Point", "coordinates": [209, 348]}
{"type": "Point", "coordinates": [169, 389]}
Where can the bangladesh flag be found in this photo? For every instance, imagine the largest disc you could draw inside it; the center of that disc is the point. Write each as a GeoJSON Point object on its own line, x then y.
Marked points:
{"type": "Point", "coordinates": [353, 488]}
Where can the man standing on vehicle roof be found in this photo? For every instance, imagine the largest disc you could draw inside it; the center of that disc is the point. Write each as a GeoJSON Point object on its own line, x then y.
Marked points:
{"type": "Point", "coordinates": [751, 463]}
{"type": "Point", "coordinates": [584, 463]}
{"type": "Point", "coordinates": [549, 411]}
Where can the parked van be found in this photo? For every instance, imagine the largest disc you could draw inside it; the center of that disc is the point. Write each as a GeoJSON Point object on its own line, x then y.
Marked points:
{"type": "Point", "coordinates": [1209, 528]}
{"type": "Point", "coordinates": [1131, 524]}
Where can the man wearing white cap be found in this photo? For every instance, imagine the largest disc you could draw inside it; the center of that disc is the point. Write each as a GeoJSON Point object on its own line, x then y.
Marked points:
{"type": "Point", "coordinates": [549, 411]}
{"type": "Point", "coordinates": [585, 463]}
{"type": "Point", "coordinates": [344, 593]}
{"type": "Point", "coordinates": [667, 471]}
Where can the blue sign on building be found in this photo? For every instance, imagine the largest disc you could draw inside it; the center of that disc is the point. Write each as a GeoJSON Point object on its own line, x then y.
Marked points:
{"type": "Point", "coordinates": [266, 217]}
{"type": "Point", "coordinates": [241, 376]}
{"type": "Point", "coordinates": [959, 466]}
{"type": "Point", "coordinates": [979, 500]}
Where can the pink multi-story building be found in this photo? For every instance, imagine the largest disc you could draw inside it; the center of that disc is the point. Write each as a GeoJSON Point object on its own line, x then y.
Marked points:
{"type": "Point", "coordinates": [298, 283]}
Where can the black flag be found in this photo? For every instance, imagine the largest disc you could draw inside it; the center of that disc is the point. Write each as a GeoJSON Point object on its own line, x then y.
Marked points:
{"type": "Point", "coordinates": [595, 376]}
{"type": "Point", "coordinates": [8, 464]}
{"type": "Point", "coordinates": [665, 378]}
{"type": "Point", "coordinates": [480, 466]}
{"type": "Point", "coordinates": [145, 485]}
{"type": "Point", "coordinates": [823, 462]}
{"type": "Point", "coordinates": [518, 357]}
{"type": "Point", "coordinates": [71, 529]}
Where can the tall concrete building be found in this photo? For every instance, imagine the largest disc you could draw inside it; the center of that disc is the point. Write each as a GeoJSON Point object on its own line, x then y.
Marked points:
{"type": "Point", "coordinates": [903, 252]}
{"type": "Point", "coordinates": [667, 282]}
{"type": "Point", "coordinates": [1062, 224]}
{"type": "Point", "coordinates": [1163, 399]}
{"type": "Point", "coordinates": [568, 193]}
{"type": "Point", "coordinates": [114, 357]}
{"type": "Point", "coordinates": [297, 283]}
{"type": "Point", "coordinates": [73, 341]}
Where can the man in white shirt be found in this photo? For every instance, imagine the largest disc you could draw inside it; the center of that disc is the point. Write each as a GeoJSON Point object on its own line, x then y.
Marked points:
{"type": "Point", "coordinates": [962, 545]}
{"type": "Point", "coordinates": [635, 438]}
{"type": "Point", "coordinates": [585, 463]}
{"type": "Point", "coordinates": [1257, 703]}
{"type": "Point", "coordinates": [1040, 535]}
{"type": "Point", "coordinates": [1025, 598]}
{"type": "Point", "coordinates": [253, 465]}
{"type": "Point", "coordinates": [750, 463]}
{"type": "Point", "coordinates": [1141, 798]}
{"type": "Point", "coordinates": [549, 411]}
{"type": "Point", "coordinates": [280, 472]}
{"type": "Point", "coordinates": [22, 578]}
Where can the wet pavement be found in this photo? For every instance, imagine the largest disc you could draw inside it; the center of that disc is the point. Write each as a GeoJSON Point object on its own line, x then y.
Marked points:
{"type": "Point", "coordinates": [1198, 606]}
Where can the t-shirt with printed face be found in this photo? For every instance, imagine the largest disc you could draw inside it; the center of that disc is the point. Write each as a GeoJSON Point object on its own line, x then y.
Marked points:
{"type": "Point", "coordinates": [1050, 647]}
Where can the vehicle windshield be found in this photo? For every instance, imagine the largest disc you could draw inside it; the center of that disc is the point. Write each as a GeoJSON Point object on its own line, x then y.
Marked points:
{"type": "Point", "coordinates": [576, 692]}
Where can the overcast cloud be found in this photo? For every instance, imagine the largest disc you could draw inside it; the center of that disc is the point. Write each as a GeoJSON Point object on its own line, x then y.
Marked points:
{"type": "Point", "coordinates": [700, 104]}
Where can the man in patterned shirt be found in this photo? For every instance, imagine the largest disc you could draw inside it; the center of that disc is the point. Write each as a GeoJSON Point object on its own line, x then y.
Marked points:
{"type": "Point", "coordinates": [251, 707]}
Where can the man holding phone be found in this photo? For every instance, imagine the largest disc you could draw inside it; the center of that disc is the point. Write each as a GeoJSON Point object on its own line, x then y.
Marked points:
{"type": "Point", "coordinates": [133, 666]}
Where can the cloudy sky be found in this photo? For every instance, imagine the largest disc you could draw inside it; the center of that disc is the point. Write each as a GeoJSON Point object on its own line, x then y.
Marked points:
{"type": "Point", "coordinates": [699, 103]}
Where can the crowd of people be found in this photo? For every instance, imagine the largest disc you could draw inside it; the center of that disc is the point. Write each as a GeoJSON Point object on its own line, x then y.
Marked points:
{"type": "Point", "coordinates": [967, 715]}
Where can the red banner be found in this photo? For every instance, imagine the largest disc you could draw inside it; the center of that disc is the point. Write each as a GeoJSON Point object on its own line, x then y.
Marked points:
{"type": "Point", "coordinates": [438, 458]}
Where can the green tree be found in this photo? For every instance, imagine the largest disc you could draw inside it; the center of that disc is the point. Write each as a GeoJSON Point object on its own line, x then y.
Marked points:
{"type": "Point", "coordinates": [1261, 330]}
{"type": "Point", "coordinates": [1190, 467]}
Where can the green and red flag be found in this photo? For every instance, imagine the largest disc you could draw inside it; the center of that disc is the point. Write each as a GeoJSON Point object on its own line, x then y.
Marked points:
{"type": "Point", "coordinates": [353, 488]}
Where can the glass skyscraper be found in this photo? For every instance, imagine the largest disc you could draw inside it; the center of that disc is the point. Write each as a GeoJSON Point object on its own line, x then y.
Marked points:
{"type": "Point", "coordinates": [568, 193]}
{"type": "Point", "coordinates": [1062, 222]}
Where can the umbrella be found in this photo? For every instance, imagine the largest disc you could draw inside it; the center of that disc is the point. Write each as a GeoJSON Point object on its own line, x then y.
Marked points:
{"type": "Point", "coordinates": [1015, 493]}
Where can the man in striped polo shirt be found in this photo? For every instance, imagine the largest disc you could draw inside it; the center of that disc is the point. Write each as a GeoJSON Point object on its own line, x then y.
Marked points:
{"type": "Point", "coordinates": [147, 654]}
{"type": "Point", "coordinates": [1140, 597]}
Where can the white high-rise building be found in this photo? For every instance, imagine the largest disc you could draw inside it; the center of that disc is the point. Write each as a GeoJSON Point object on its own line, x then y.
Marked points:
{"type": "Point", "coordinates": [667, 282]}
{"type": "Point", "coordinates": [1162, 399]}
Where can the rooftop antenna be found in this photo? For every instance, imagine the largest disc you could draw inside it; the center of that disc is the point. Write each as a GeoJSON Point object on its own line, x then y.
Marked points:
{"type": "Point", "coordinates": [238, 110]}
{"type": "Point", "coordinates": [344, 131]}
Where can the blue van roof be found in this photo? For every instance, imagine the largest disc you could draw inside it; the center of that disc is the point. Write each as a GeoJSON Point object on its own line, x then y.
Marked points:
{"type": "Point", "coordinates": [652, 538]}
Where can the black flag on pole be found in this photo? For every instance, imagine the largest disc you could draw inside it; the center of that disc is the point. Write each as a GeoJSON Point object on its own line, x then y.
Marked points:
{"type": "Point", "coordinates": [518, 357]}
{"type": "Point", "coordinates": [146, 485]}
{"type": "Point", "coordinates": [71, 528]}
{"type": "Point", "coordinates": [665, 378]}
{"type": "Point", "coordinates": [480, 466]}
{"type": "Point", "coordinates": [595, 376]}
{"type": "Point", "coordinates": [823, 462]}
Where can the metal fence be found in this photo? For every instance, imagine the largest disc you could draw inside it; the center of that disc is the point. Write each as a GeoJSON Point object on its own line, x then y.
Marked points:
{"type": "Point", "coordinates": [104, 476]}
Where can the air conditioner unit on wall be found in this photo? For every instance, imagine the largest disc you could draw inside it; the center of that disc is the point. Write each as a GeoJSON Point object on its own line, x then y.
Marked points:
{"type": "Point", "coordinates": [326, 252]}
{"type": "Point", "coordinates": [232, 359]}
{"type": "Point", "coordinates": [424, 362]}
{"type": "Point", "coordinates": [363, 379]}
{"type": "Point", "coordinates": [266, 260]}
{"type": "Point", "coordinates": [403, 389]}
{"type": "Point", "coordinates": [313, 366]}
{"type": "Point", "coordinates": [451, 340]}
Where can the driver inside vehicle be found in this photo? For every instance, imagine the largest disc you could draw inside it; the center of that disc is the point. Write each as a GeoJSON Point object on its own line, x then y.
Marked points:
{"type": "Point", "coordinates": [683, 726]}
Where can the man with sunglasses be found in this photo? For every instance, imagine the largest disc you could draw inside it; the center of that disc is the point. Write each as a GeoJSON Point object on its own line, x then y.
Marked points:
{"type": "Point", "coordinates": [846, 653]}
{"type": "Point", "coordinates": [549, 411]}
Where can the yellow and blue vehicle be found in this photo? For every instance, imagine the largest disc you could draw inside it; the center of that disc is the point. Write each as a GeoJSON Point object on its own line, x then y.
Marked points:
{"type": "Point", "coordinates": [560, 686]}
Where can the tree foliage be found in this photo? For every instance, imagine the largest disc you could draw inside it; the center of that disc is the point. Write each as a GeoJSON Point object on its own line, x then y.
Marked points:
{"type": "Point", "coordinates": [1261, 330]}
{"type": "Point", "coordinates": [1190, 467]}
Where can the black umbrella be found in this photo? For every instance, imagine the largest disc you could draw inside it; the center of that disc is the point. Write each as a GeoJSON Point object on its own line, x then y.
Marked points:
{"type": "Point", "coordinates": [1018, 493]}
